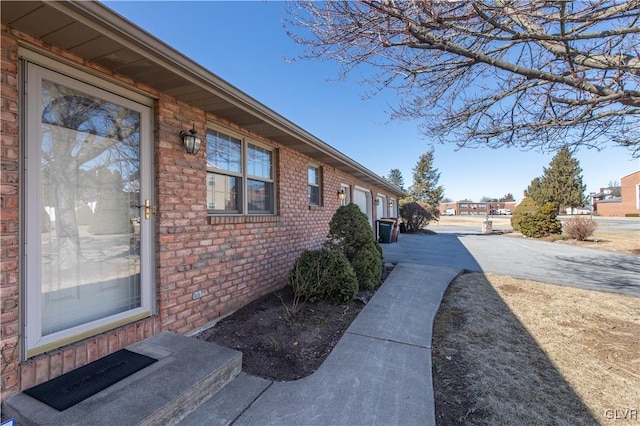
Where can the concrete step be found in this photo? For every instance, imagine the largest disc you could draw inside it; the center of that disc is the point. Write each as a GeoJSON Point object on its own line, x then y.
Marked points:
{"type": "Point", "coordinates": [188, 372]}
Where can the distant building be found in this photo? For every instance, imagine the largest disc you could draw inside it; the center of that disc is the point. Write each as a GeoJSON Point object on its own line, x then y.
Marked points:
{"type": "Point", "coordinates": [627, 204]}
{"type": "Point", "coordinates": [472, 208]}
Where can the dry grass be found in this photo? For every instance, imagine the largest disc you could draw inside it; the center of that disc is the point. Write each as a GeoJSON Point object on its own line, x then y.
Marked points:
{"type": "Point", "coordinates": [617, 240]}
{"type": "Point", "coordinates": [510, 351]}
{"type": "Point", "coordinates": [506, 350]}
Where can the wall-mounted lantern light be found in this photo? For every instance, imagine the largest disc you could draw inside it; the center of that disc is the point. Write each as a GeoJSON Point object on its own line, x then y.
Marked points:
{"type": "Point", "coordinates": [391, 204]}
{"type": "Point", "coordinates": [377, 201]}
{"type": "Point", "coordinates": [191, 141]}
{"type": "Point", "coordinates": [341, 195]}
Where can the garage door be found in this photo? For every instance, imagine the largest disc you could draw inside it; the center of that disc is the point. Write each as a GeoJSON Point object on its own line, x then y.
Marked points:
{"type": "Point", "coordinates": [362, 198]}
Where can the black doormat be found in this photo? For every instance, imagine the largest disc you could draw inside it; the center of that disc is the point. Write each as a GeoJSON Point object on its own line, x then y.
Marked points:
{"type": "Point", "coordinates": [77, 385]}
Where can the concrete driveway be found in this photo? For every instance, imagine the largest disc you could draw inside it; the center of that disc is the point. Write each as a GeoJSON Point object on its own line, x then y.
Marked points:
{"type": "Point", "coordinates": [520, 258]}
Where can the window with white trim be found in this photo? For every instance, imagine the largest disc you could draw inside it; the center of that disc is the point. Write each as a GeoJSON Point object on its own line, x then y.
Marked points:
{"type": "Point", "coordinates": [239, 175]}
{"type": "Point", "coordinates": [313, 173]}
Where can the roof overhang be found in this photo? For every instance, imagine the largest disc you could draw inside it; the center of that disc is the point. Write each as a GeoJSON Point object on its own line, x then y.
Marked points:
{"type": "Point", "coordinates": [94, 32]}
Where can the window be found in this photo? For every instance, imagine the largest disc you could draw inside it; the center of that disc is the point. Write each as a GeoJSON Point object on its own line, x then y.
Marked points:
{"type": "Point", "coordinates": [239, 176]}
{"type": "Point", "coordinates": [259, 180]}
{"type": "Point", "coordinates": [314, 185]}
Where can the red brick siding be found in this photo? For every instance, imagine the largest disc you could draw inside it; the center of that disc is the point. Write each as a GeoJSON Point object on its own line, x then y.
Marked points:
{"type": "Point", "coordinates": [9, 216]}
{"type": "Point", "coordinates": [231, 260]}
{"type": "Point", "coordinates": [627, 205]}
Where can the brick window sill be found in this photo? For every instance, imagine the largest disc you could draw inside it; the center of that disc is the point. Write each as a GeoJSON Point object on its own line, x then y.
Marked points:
{"type": "Point", "coordinates": [222, 220]}
{"type": "Point", "coordinates": [315, 207]}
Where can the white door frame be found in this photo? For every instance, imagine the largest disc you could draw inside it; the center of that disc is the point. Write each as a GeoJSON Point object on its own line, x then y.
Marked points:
{"type": "Point", "coordinates": [70, 77]}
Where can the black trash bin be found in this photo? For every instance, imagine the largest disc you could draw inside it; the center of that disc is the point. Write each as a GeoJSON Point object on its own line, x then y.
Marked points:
{"type": "Point", "coordinates": [396, 226]}
{"type": "Point", "coordinates": [384, 231]}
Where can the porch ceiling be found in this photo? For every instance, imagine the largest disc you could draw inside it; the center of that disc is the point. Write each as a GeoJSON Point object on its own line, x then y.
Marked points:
{"type": "Point", "coordinates": [96, 33]}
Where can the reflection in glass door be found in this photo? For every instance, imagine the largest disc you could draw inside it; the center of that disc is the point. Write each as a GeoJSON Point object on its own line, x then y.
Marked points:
{"type": "Point", "coordinates": [84, 193]}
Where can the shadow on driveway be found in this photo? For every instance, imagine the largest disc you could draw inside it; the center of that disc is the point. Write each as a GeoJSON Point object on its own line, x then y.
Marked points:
{"type": "Point", "coordinates": [543, 261]}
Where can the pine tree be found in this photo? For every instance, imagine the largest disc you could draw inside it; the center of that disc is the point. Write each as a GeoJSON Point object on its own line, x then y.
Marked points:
{"type": "Point", "coordinates": [561, 184]}
{"type": "Point", "coordinates": [533, 190]}
{"type": "Point", "coordinates": [395, 178]}
{"type": "Point", "coordinates": [425, 183]}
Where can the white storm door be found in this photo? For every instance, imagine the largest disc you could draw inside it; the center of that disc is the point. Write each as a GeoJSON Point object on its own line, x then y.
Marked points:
{"type": "Point", "coordinates": [381, 206]}
{"type": "Point", "coordinates": [89, 252]}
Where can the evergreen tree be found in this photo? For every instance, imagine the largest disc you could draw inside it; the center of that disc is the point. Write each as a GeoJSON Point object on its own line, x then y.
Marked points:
{"type": "Point", "coordinates": [395, 178]}
{"type": "Point", "coordinates": [533, 190]}
{"type": "Point", "coordinates": [425, 183]}
{"type": "Point", "coordinates": [561, 184]}
{"type": "Point", "coordinates": [508, 197]}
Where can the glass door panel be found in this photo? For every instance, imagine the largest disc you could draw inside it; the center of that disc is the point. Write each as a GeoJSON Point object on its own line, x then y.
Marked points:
{"type": "Point", "coordinates": [90, 169]}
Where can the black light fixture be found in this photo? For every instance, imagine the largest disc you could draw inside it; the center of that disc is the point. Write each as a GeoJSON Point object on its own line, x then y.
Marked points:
{"type": "Point", "coordinates": [391, 204]}
{"type": "Point", "coordinates": [191, 141]}
{"type": "Point", "coordinates": [341, 195]}
{"type": "Point", "coordinates": [377, 201]}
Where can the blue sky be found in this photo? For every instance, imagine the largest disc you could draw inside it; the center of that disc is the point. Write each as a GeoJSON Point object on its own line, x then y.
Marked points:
{"type": "Point", "coordinates": [244, 43]}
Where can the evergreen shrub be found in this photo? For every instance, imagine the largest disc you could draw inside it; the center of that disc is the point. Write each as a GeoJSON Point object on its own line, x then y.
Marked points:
{"type": "Point", "coordinates": [350, 234]}
{"type": "Point", "coordinates": [541, 223]}
{"type": "Point", "coordinates": [323, 275]}
{"type": "Point", "coordinates": [526, 206]}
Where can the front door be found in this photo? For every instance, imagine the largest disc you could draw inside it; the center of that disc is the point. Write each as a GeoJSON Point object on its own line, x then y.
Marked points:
{"type": "Point", "coordinates": [381, 206]}
{"type": "Point", "coordinates": [88, 234]}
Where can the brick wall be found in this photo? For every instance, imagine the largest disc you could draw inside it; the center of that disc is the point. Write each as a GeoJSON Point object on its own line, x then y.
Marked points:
{"type": "Point", "coordinates": [9, 216]}
{"type": "Point", "coordinates": [231, 260]}
{"type": "Point", "coordinates": [628, 203]}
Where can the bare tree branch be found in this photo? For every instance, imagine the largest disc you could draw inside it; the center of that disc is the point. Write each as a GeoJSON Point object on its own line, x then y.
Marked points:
{"type": "Point", "coordinates": [538, 75]}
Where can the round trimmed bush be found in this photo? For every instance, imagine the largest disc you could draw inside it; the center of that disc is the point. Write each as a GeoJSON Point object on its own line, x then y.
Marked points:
{"type": "Point", "coordinates": [350, 233]}
{"type": "Point", "coordinates": [526, 206]}
{"type": "Point", "coordinates": [541, 223]}
{"type": "Point", "coordinates": [323, 275]}
{"type": "Point", "coordinates": [369, 263]}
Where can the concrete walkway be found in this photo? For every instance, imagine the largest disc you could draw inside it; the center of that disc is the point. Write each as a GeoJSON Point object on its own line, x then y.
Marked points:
{"type": "Point", "coordinates": [378, 373]}
{"type": "Point", "coordinates": [380, 370]}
